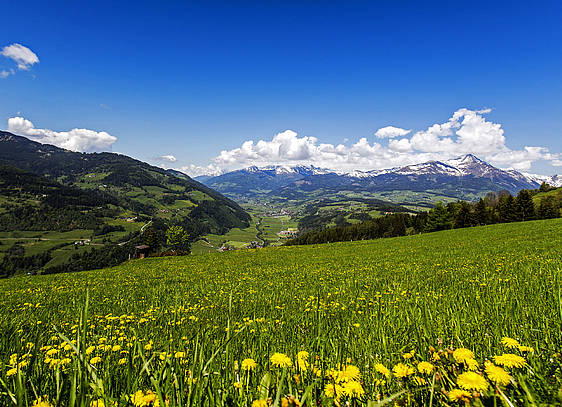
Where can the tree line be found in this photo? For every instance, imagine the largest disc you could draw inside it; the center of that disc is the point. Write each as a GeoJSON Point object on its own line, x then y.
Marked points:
{"type": "Point", "coordinates": [501, 207]}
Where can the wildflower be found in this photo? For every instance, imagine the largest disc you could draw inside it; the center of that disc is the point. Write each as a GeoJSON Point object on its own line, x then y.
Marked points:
{"type": "Point", "coordinates": [302, 360]}
{"type": "Point", "coordinates": [471, 364]}
{"type": "Point", "coordinates": [472, 381]}
{"type": "Point", "coordinates": [52, 352]}
{"type": "Point", "coordinates": [350, 372]}
{"type": "Point", "coordinates": [459, 395]}
{"type": "Point", "coordinates": [42, 402]}
{"type": "Point", "coordinates": [526, 349]}
{"type": "Point", "coordinates": [122, 361]}
{"type": "Point", "coordinates": [333, 391]}
{"type": "Point", "coordinates": [116, 348]}
{"type": "Point", "coordinates": [425, 367]}
{"type": "Point", "coordinates": [11, 372]}
{"type": "Point", "coordinates": [419, 381]}
{"type": "Point", "coordinates": [179, 355]}
{"type": "Point", "coordinates": [281, 360]}
{"type": "Point", "coordinates": [95, 360]}
{"type": "Point", "coordinates": [401, 370]}
{"type": "Point", "coordinates": [510, 342]}
{"type": "Point", "coordinates": [461, 355]}
{"type": "Point", "coordinates": [497, 374]}
{"type": "Point", "coordinates": [510, 360]}
{"type": "Point", "coordinates": [249, 364]}
{"type": "Point", "coordinates": [353, 389]}
{"type": "Point", "coordinates": [290, 401]}
{"type": "Point", "coordinates": [259, 403]}
{"type": "Point", "coordinates": [90, 349]}
{"type": "Point", "coordinates": [408, 355]}
{"type": "Point", "coordinates": [382, 369]}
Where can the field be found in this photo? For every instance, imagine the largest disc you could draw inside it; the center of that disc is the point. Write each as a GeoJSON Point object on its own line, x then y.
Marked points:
{"type": "Point", "coordinates": [466, 315]}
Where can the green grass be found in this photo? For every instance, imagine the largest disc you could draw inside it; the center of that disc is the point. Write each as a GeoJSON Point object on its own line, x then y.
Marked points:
{"type": "Point", "coordinates": [354, 303]}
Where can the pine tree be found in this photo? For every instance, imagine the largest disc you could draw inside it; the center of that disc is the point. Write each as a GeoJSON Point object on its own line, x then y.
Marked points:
{"type": "Point", "coordinates": [525, 205]}
{"type": "Point", "coordinates": [481, 213]}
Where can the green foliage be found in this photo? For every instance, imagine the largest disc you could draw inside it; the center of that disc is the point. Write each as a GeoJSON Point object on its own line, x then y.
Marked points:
{"type": "Point", "coordinates": [177, 238]}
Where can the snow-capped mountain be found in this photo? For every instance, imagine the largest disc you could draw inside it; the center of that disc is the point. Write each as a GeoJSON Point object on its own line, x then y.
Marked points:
{"type": "Point", "coordinates": [458, 178]}
{"type": "Point", "coordinates": [552, 180]}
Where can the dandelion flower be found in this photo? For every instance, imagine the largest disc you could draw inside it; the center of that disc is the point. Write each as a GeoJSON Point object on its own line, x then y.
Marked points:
{"type": "Point", "coordinates": [11, 372]}
{"type": "Point", "coordinates": [281, 360]}
{"type": "Point", "coordinates": [333, 391]}
{"type": "Point", "coordinates": [425, 367]}
{"type": "Point", "coordinates": [382, 369]}
{"type": "Point", "coordinates": [302, 360]}
{"type": "Point", "coordinates": [95, 360]}
{"type": "Point", "coordinates": [259, 403]}
{"type": "Point", "coordinates": [510, 360]}
{"type": "Point", "coordinates": [353, 389]}
{"type": "Point", "coordinates": [42, 402]}
{"type": "Point", "coordinates": [249, 364]}
{"type": "Point", "coordinates": [510, 342]}
{"type": "Point", "coordinates": [526, 349]}
{"type": "Point", "coordinates": [350, 372]}
{"type": "Point", "coordinates": [90, 349]}
{"type": "Point", "coordinates": [497, 374]}
{"type": "Point", "coordinates": [401, 370]}
{"type": "Point", "coordinates": [459, 395]}
{"type": "Point", "coordinates": [461, 355]}
{"type": "Point", "coordinates": [472, 381]}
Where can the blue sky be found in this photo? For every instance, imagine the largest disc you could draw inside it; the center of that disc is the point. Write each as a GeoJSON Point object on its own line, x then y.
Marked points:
{"type": "Point", "coordinates": [191, 79]}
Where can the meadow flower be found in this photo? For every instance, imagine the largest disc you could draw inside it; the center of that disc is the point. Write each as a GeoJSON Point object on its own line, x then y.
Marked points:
{"type": "Point", "coordinates": [459, 395]}
{"type": "Point", "coordinates": [259, 403]}
{"type": "Point", "coordinates": [249, 364]}
{"type": "Point", "coordinates": [425, 367]}
{"type": "Point", "coordinates": [510, 342]}
{"type": "Point", "coordinates": [90, 349]}
{"type": "Point", "coordinates": [382, 369]}
{"type": "Point", "coordinates": [526, 349]}
{"type": "Point", "coordinates": [472, 381]}
{"type": "Point", "coordinates": [353, 389]}
{"type": "Point", "coordinates": [350, 372]}
{"type": "Point", "coordinates": [42, 402]}
{"type": "Point", "coordinates": [302, 360]}
{"type": "Point", "coordinates": [333, 390]}
{"type": "Point", "coordinates": [281, 360]}
{"type": "Point", "coordinates": [11, 372]}
{"type": "Point", "coordinates": [497, 374]}
{"type": "Point", "coordinates": [461, 355]}
{"type": "Point", "coordinates": [401, 370]}
{"type": "Point", "coordinates": [510, 360]}
{"type": "Point", "coordinates": [95, 360]}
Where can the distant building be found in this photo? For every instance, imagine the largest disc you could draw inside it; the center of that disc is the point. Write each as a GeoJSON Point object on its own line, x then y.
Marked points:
{"type": "Point", "coordinates": [288, 233]}
{"type": "Point", "coordinates": [141, 251]}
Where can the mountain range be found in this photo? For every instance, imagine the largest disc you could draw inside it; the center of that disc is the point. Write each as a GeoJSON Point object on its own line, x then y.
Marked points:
{"type": "Point", "coordinates": [466, 177]}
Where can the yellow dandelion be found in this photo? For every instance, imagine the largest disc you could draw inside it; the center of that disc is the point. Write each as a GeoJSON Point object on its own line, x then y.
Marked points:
{"type": "Point", "coordinates": [333, 390]}
{"type": "Point", "coordinates": [350, 372]}
{"type": "Point", "coordinates": [472, 381]}
{"type": "Point", "coordinates": [353, 389]}
{"type": "Point", "coordinates": [259, 403]}
{"type": "Point", "coordinates": [497, 374]}
{"type": "Point", "coordinates": [401, 370]}
{"type": "Point", "coordinates": [382, 369]}
{"type": "Point", "coordinates": [526, 349]}
{"type": "Point", "coordinates": [471, 364]}
{"type": "Point", "coordinates": [122, 361]}
{"type": "Point", "coordinates": [461, 355]}
{"type": "Point", "coordinates": [510, 342]}
{"type": "Point", "coordinates": [510, 360]}
{"type": "Point", "coordinates": [42, 402]}
{"type": "Point", "coordinates": [90, 349]}
{"type": "Point", "coordinates": [249, 364]}
{"type": "Point", "coordinates": [11, 372]}
{"type": "Point", "coordinates": [302, 360]}
{"type": "Point", "coordinates": [281, 360]}
{"type": "Point", "coordinates": [425, 367]}
{"type": "Point", "coordinates": [459, 395]}
{"type": "Point", "coordinates": [95, 360]}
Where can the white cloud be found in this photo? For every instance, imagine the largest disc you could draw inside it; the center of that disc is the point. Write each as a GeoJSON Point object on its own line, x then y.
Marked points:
{"type": "Point", "coordinates": [556, 163]}
{"type": "Point", "coordinates": [5, 74]}
{"type": "Point", "coordinates": [466, 131]}
{"type": "Point", "coordinates": [23, 56]}
{"type": "Point", "coordinates": [75, 139]}
{"type": "Point", "coordinates": [168, 158]}
{"type": "Point", "coordinates": [391, 131]}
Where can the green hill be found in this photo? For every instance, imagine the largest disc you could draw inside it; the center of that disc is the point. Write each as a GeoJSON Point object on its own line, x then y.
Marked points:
{"type": "Point", "coordinates": [106, 196]}
{"type": "Point", "coordinates": [395, 302]}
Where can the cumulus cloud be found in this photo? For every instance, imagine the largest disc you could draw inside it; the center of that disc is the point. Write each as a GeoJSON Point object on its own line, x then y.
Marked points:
{"type": "Point", "coordinates": [167, 158]}
{"type": "Point", "coordinates": [76, 139]}
{"type": "Point", "coordinates": [466, 131]}
{"type": "Point", "coordinates": [23, 56]}
{"type": "Point", "coordinates": [391, 131]}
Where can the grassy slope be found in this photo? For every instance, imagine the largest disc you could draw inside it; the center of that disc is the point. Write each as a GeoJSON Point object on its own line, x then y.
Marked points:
{"type": "Point", "coordinates": [465, 287]}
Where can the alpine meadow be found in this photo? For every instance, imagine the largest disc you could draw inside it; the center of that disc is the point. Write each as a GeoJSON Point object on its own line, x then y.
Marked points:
{"type": "Point", "coordinates": [442, 318]}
